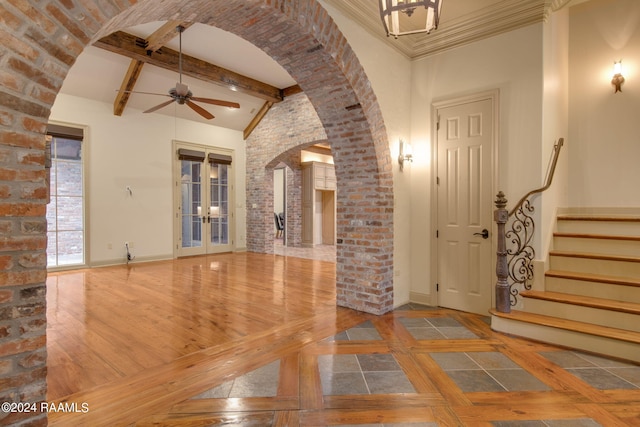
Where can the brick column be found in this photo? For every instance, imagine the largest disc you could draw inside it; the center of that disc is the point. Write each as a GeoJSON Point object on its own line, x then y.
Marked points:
{"type": "Point", "coordinates": [294, 206]}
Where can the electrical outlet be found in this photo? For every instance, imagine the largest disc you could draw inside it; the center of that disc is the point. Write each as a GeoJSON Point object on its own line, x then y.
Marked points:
{"type": "Point", "coordinates": [130, 245]}
{"type": "Point", "coordinates": [126, 245]}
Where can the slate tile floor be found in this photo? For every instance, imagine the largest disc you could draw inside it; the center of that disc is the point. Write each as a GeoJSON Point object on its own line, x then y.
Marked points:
{"type": "Point", "coordinates": [486, 371]}
{"type": "Point", "coordinates": [437, 328]}
{"type": "Point", "coordinates": [598, 372]}
{"type": "Point", "coordinates": [261, 382]}
{"type": "Point", "coordinates": [348, 370]}
{"type": "Point", "coordinates": [362, 374]}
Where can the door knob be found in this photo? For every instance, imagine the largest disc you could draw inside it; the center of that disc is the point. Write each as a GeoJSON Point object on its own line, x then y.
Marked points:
{"type": "Point", "coordinates": [484, 234]}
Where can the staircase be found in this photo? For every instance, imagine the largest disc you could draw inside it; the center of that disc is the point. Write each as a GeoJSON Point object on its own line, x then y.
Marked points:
{"type": "Point", "coordinates": [591, 299]}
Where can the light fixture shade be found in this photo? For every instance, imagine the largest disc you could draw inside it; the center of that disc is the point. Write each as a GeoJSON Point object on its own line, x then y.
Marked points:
{"type": "Point", "coordinates": [406, 154]}
{"type": "Point", "coordinates": [618, 78]}
{"type": "Point", "coordinates": [401, 17]}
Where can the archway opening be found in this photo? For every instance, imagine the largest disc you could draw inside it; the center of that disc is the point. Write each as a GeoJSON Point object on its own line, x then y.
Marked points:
{"type": "Point", "coordinates": [300, 35]}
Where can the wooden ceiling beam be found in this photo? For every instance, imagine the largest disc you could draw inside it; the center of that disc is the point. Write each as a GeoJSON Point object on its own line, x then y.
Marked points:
{"type": "Point", "coordinates": [257, 119]}
{"type": "Point", "coordinates": [135, 48]}
{"type": "Point", "coordinates": [288, 91]}
{"type": "Point", "coordinates": [155, 41]}
{"type": "Point", "coordinates": [291, 90]}
{"type": "Point", "coordinates": [165, 34]}
{"type": "Point", "coordinates": [128, 84]}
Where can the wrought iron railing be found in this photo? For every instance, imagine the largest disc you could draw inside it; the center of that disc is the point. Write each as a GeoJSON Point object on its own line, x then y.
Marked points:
{"type": "Point", "coordinates": [514, 265]}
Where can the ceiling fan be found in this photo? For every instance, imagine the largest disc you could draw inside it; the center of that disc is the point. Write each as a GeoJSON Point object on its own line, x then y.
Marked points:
{"type": "Point", "coordinates": [182, 95]}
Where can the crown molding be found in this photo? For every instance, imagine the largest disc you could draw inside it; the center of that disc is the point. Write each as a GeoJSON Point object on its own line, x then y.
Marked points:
{"type": "Point", "coordinates": [502, 16]}
{"type": "Point", "coordinates": [559, 4]}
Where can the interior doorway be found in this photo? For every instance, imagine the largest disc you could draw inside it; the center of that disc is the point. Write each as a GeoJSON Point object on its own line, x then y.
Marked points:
{"type": "Point", "coordinates": [465, 165]}
{"type": "Point", "coordinates": [280, 203]}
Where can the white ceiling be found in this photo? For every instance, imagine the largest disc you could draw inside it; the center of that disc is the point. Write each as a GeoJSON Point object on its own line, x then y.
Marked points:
{"type": "Point", "coordinates": [98, 74]}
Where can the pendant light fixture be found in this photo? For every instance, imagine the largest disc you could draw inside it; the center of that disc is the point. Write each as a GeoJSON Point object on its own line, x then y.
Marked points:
{"type": "Point", "coordinates": [401, 17]}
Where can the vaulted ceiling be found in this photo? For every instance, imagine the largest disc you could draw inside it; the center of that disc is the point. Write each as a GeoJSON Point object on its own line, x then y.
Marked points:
{"type": "Point", "coordinates": [220, 65]}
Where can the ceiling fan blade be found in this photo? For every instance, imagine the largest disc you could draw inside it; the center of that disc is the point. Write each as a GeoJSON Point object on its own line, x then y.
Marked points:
{"type": "Point", "coordinates": [142, 93]}
{"type": "Point", "coordinates": [217, 102]}
{"type": "Point", "coordinates": [198, 109]}
{"type": "Point", "coordinates": [157, 107]}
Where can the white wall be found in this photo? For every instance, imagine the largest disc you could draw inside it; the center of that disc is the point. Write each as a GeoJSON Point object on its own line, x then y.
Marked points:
{"type": "Point", "coordinates": [603, 132]}
{"type": "Point", "coordinates": [555, 126]}
{"type": "Point", "coordinates": [278, 190]}
{"type": "Point", "coordinates": [511, 63]}
{"type": "Point", "coordinates": [135, 150]}
{"type": "Point", "coordinates": [390, 75]}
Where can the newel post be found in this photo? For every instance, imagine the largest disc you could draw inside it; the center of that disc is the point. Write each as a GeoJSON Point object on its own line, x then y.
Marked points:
{"type": "Point", "coordinates": [501, 216]}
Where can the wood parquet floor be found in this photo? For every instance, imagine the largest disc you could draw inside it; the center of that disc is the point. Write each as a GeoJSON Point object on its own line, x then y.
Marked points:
{"type": "Point", "coordinates": [139, 344]}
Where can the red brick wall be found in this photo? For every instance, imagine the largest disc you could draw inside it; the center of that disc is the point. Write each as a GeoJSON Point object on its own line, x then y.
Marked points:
{"type": "Point", "coordinates": [39, 41]}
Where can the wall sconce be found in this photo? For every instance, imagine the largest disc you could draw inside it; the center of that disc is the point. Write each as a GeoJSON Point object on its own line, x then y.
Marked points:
{"type": "Point", "coordinates": [618, 78]}
{"type": "Point", "coordinates": [405, 154]}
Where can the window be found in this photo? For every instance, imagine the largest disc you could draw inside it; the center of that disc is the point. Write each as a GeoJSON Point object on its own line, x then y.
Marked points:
{"type": "Point", "coordinates": [65, 211]}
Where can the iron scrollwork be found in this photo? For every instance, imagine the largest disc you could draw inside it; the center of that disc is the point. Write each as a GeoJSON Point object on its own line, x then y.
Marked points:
{"type": "Point", "coordinates": [514, 266]}
{"type": "Point", "coordinates": [521, 253]}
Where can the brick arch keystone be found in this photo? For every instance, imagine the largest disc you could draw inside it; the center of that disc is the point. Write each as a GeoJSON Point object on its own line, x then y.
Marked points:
{"type": "Point", "coordinates": [40, 44]}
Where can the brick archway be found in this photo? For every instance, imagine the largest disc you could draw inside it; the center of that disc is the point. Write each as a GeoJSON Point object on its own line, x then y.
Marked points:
{"type": "Point", "coordinates": [40, 45]}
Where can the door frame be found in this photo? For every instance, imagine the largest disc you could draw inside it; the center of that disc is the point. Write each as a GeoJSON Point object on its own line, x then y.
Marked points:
{"type": "Point", "coordinates": [177, 194]}
{"type": "Point", "coordinates": [494, 97]}
{"type": "Point", "coordinates": [86, 217]}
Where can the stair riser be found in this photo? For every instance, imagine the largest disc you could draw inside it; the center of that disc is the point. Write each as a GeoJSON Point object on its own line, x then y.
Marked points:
{"type": "Point", "coordinates": [593, 289]}
{"type": "Point", "coordinates": [590, 343]}
{"type": "Point", "coordinates": [601, 246]}
{"type": "Point", "coordinates": [595, 266]}
{"type": "Point", "coordinates": [616, 228]}
{"type": "Point", "coordinates": [595, 316]}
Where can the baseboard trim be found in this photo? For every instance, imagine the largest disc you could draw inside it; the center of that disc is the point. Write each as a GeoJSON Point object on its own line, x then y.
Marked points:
{"type": "Point", "coordinates": [420, 298]}
{"type": "Point", "coordinates": [136, 260]}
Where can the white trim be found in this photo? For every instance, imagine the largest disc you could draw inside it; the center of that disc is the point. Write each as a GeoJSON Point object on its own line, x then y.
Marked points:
{"type": "Point", "coordinates": [420, 298]}
{"type": "Point", "coordinates": [499, 18]}
{"type": "Point", "coordinates": [137, 260]}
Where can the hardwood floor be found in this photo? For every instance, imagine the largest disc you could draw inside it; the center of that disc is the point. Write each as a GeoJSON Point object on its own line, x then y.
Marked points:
{"type": "Point", "coordinates": [256, 340]}
{"type": "Point", "coordinates": [109, 323]}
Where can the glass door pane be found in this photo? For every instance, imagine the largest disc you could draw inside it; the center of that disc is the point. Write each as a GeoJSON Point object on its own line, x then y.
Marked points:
{"type": "Point", "coordinates": [191, 203]}
{"type": "Point", "coordinates": [219, 208]}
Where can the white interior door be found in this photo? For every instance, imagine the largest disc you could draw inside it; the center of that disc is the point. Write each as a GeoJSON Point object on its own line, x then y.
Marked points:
{"type": "Point", "coordinates": [204, 202]}
{"type": "Point", "coordinates": [465, 138]}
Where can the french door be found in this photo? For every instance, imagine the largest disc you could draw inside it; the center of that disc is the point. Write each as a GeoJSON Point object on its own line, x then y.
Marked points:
{"type": "Point", "coordinates": [204, 201]}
